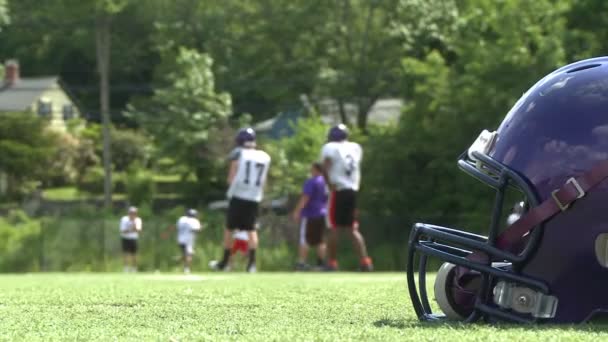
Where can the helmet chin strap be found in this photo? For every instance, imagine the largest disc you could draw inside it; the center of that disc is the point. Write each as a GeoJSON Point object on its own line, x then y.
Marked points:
{"type": "Point", "coordinates": [560, 200]}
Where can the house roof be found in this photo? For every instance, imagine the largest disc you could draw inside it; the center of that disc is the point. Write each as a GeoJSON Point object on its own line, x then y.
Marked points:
{"type": "Point", "coordinates": [24, 93]}
{"type": "Point", "coordinates": [385, 111]}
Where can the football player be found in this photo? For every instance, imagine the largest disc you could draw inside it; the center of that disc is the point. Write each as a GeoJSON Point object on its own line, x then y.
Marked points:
{"type": "Point", "coordinates": [187, 226]}
{"type": "Point", "coordinates": [310, 214]}
{"type": "Point", "coordinates": [246, 179]}
{"type": "Point", "coordinates": [130, 227]}
{"type": "Point", "coordinates": [342, 162]}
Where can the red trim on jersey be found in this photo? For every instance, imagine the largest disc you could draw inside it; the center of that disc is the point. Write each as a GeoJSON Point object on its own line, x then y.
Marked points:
{"type": "Point", "coordinates": [331, 210]}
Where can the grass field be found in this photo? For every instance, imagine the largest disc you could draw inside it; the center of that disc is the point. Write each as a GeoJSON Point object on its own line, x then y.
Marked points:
{"type": "Point", "coordinates": [261, 307]}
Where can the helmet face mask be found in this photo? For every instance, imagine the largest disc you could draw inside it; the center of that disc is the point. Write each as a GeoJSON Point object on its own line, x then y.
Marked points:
{"type": "Point", "coordinates": [551, 263]}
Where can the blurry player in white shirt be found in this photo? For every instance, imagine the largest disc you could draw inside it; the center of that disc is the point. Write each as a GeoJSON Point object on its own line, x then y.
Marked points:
{"type": "Point", "coordinates": [246, 179]}
{"type": "Point", "coordinates": [130, 227]}
{"type": "Point", "coordinates": [342, 165]}
{"type": "Point", "coordinates": [187, 227]}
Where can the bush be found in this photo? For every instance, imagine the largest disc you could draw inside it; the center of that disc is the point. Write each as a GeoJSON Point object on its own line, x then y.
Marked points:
{"type": "Point", "coordinates": [292, 156]}
{"type": "Point", "coordinates": [92, 181]}
{"type": "Point", "coordinates": [19, 242]}
{"type": "Point", "coordinates": [140, 185]}
{"type": "Point", "coordinates": [129, 147]}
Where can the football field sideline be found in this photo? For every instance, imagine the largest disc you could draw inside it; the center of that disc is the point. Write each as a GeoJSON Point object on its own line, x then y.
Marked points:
{"type": "Point", "coordinates": [236, 306]}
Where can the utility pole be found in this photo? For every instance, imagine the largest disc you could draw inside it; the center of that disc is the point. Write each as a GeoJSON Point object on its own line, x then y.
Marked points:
{"type": "Point", "coordinates": [102, 44]}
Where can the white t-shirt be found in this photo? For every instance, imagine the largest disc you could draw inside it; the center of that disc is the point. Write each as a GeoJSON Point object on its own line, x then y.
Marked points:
{"type": "Point", "coordinates": [248, 182]}
{"type": "Point", "coordinates": [186, 226]}
{"type": "Point", "coordinates": [241, 235]}
{"type": "Point", "coordinates": [345, 171]}
{"type": "Point", "coordinates": [126, 225]}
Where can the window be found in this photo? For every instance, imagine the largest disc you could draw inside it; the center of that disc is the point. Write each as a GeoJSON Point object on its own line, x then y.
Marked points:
{"type": "Point", "coordinates": [45, 108]}
{"type": "Point", "coordinates": [68, 112]}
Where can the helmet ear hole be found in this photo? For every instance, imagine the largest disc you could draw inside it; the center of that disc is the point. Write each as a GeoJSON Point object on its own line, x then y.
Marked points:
{"type": "Point", "coordinates": [456, 292]}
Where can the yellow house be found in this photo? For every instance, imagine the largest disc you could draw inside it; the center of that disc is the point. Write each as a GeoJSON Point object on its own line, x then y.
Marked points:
{"type": "Point", "coordinates": [44, 96]}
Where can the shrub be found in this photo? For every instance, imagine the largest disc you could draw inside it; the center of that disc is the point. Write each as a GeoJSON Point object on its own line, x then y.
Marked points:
{"type": "Point", "coordinates": [140, 185]}
{"type": "Point", "coordinates": [129, 147]}
{"type": "Point", "coordinates": [19, 242]}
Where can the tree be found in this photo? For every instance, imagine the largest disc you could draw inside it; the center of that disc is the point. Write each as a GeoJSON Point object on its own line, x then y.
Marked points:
{"type": "Point", "coordinates": [186, 114]}
{"type": "Point", "coordinates": [104, 11]}
{"type": "Point", "coordinates": [264, 51]}
{"type": "Point", "coordinates": [361, 40]}
{"type": "Point", "coordinates": [499, 49]}
{"type": "Point", "coordinates": [587, 33]}
{"type": "Point", "coordinates": [4, 17]}
{"type": "Point", "coordinates": [26, 150]}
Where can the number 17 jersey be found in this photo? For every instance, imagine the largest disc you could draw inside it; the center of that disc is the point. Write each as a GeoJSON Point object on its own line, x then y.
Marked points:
{"type": "Point", "coordinates": [248, 182]}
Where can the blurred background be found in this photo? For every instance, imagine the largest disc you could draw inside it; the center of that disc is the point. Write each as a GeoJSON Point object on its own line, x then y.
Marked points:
{"type": "Point", "coordinates": [110, 103]}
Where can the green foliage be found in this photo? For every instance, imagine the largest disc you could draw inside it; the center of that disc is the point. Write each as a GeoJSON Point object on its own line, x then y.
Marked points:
{"type": "Point", "coordinates": [92, 180]}
{"type": "Point", "coordinates": [502, 48]}
{"type": "Point", "coordinates": [140, 185]}
{"type": "Point", "coordinates": [293, 156]}
{"type": "Point", "coordinates": [27, 148]}
{"type": "Point", "coordinates": [19, 241]}
{"type": "Point", "coordinates": [186, 116]}
{"type": "Point", "coordinates": [129, 147]}
{"type": "Point", "coordinates": [4, 16]}
{"type": "Point", "coordinates": [62, 168]}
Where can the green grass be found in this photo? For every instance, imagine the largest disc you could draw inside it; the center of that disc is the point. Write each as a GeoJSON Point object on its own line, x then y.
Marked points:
{"type": "Point", "coordinates": [216, 307]}
{"type": "Point", "coordinates": [66, 193]}
{"type": "Point", "coordinates": [70, 193]}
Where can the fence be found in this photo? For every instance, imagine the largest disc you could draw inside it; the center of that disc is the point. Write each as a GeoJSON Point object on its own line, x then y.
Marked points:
{"type": "Point", "coordinates": [87, 239]}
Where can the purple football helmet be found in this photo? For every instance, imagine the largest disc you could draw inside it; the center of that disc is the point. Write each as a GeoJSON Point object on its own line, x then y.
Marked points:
{"type": "Point", "coordinates": [337, 133]}
{"type": "Point", "coordinates": [551, 264]}
{"type": "Point", "coordinates": [245, 135]}
{"type": "Point", "coordinates": [191, 213]}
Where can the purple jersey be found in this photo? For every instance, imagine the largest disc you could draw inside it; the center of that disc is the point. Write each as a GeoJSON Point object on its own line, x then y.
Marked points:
{"type": "Point", "coordinates": [314, 188]}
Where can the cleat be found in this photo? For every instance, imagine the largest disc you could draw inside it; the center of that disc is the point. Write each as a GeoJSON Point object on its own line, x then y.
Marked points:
{"type": "Point", "coordinates": [216, 266]}
{"type": "Point", "coordinates": [329, 268]}
{"type": "Point", "coordinates": [366, 268]}
{"type": "Point", "coordinates": [252, 269]}
{"type": "Point", "coordinates": [300, 266]}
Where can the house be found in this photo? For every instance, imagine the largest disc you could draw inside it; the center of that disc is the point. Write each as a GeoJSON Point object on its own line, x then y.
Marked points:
{"type": "Point", "coordinates": [384, 112]}
{"type": "Point", "coordinates": [44, 96]}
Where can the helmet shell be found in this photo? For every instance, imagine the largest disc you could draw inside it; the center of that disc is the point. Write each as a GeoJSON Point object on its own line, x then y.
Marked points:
{"type": "Point", "coordinates": [191, 213]}
{"type": "Point", "coordinates": [557, 130]}
{"type": "Point", "coordinates": [337, 133]}
{"type": "Point", "coordinates": [245, 135]}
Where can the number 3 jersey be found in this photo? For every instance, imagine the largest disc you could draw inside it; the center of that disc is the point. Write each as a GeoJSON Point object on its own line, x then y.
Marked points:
{"type": "Point", "coordinates": [248, 182]}
{"type": "Point", "coordinates": [345, 171]}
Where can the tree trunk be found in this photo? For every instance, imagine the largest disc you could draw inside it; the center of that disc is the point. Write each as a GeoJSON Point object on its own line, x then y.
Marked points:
{"type": "Point", "coordinates": [102, 35]}
{"type": "Point", "coordinates": [363, 109]}
{"type": "Point", "coordinates": [342, 112]}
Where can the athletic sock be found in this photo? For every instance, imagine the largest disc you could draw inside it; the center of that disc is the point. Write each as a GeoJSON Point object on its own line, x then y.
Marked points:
{"type": "Point", "coordinates": [319, 262]}
{"type": "Point", "coordinates": [225, 258]}
{"type": "Point", "coordinates": [366, 261]}
{"type": "Point", "coordinates": [251, 257]}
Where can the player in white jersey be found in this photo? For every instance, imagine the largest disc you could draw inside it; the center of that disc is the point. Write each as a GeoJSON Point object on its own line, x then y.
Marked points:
{"type": "Point", "coordinates": [130, 226]}
{"type": "Point", "coordinates": [187, 226]}
{"type": "Point", "coordinates": [342, 166]}
{"type": "Point", "coordinates": [247, 176]}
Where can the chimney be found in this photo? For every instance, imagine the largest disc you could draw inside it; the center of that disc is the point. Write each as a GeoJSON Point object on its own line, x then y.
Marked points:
{"type": "Point", "coordinates": [11, 72]}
